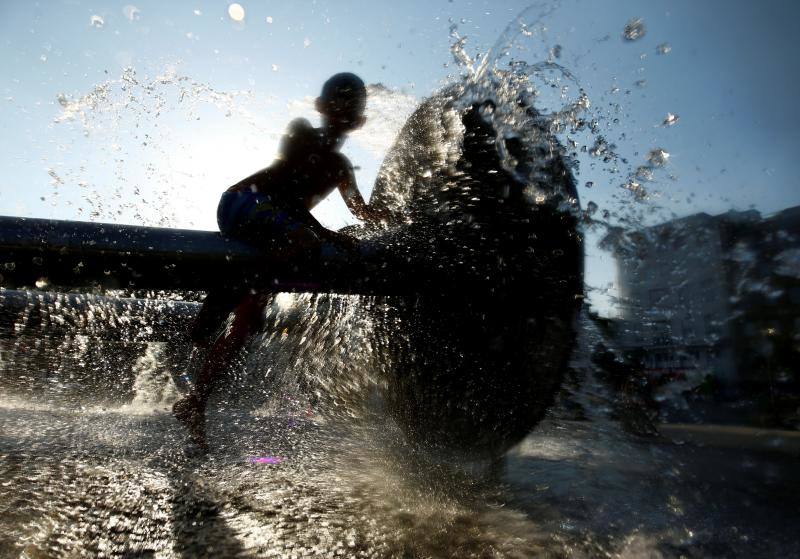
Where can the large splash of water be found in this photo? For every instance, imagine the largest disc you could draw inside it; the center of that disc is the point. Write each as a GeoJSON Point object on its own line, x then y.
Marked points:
{"type": "Point", "coordinates": [511, 96]}
{"type": "Point", "coordinates": [356, 492]}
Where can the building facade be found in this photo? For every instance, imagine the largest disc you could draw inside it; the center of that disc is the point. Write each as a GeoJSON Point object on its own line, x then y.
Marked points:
{"type": "Point", "coordinates": [713, 295]}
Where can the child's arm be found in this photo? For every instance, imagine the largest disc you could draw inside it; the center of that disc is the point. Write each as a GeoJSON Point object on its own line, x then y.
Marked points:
{"type": "Point", "coordinates": [355, 202]}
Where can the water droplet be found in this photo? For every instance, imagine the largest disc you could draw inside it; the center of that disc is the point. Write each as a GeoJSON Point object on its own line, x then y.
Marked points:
{"type": "Point", "coordinates": [664, 48]}
{"type": "Point", "coordinates": [636, 188]}
{"type": "Point", "coordinates": [591, 208]}
{"type": "Point", "coordinates": [56, 179]}
{"type": "Point", "coordinates": [634, 29]}
{"type": "Point", "coordinates": [274, 67]}
{"type": "Point", "coordinates": [197, 12]}
{"type": "Point", "coordinates": [589, 184]}
{"type": "Point", "coordinates": [269, 19]}
{"type": "Point", "coordinates": [306, 42]}
{"type": "Point", "coordinates": [41, 283]}
{"type": "Point", "coordinates": [670, 120]}
{"type": "Point", "coordinates": [644, 173]}
{"type": "Point", "coordinates": [236, 12]}
{"type": "Point", "coordinates": [97, 21]}
{"type": "Point", "coordinates": [658, 157]}
{"type": "Point", "coordinates": [131, 12]}
{"type": "Point", "coordinates": [43, 58]}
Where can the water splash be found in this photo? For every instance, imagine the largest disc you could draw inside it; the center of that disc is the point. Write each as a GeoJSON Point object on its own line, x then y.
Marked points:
{"type": "Point", "coordinates": [670, 120]}
{"type": "Point", "coordinates": [664, 48]}
{"type": "Point", "coordinates": [658, 157]}
{"type": "Point", "coordinates": [133, 118]}
{"type": "Point", "coordinates": [634, 29]}
{"type": "Point", "coordinates": [563, 108]}
{"type": "Point", "coordinates": [340, 491]}
{"type": "Point", "coordinates": [131, 12]}
{"type": "Point", "coordinates": [153, 387]}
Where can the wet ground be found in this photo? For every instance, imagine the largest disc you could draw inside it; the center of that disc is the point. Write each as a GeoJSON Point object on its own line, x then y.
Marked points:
{"type": "Point", "coordinates": [116, 484]}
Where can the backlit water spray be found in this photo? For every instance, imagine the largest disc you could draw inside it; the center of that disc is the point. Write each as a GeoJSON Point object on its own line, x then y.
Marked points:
{"type": "Point", "coordinates": [306, 459]}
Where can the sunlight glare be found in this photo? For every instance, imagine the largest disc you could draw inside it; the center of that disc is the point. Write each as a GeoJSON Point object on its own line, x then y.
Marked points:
{"type": "Point", "coordinates": [236, 12]}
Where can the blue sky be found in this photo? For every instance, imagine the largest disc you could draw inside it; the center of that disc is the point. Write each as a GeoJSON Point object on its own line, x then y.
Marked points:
{"type": "Point", "coordinates": [147, 154]}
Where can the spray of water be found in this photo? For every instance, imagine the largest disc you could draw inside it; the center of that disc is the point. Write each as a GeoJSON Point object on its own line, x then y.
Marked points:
{"type": "Point", "coordinates": [308, 354]}
{"type": "Point", "coordinates": [329, 357]}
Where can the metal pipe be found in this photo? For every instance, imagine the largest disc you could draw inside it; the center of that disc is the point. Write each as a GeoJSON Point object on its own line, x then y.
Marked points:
{"type": "Point", "coordinates": [75, 254]}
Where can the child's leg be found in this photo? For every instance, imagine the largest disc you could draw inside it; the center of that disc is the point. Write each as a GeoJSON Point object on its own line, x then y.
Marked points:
{"type": "Point", "coordinates": [217, 306]}
{"type": "Point", "coordinates": [246, 319]}
{"type": "Point", "coordinates": [191, 408]}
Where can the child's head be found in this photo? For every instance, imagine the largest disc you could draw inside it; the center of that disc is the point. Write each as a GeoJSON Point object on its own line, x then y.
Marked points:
{"type": "Point", "coordinates": [342, 102]}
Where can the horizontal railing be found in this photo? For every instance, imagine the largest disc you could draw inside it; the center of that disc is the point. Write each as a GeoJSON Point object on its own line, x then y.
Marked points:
{"type": "Point", "coordinates": [74, 255]}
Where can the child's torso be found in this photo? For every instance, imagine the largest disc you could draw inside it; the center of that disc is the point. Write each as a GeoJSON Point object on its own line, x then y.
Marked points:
{"type": "Point", "coordinates": [309, 168]}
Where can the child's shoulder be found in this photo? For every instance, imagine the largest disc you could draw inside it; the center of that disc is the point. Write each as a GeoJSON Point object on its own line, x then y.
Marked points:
{"type": "Point", "coordinates": [300, 137]}
{"type": "Point", "coordinates": [299, 127]}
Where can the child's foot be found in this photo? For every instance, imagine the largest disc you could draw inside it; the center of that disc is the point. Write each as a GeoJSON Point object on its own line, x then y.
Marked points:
{"type": "Point", "coordinates": [189, 411]}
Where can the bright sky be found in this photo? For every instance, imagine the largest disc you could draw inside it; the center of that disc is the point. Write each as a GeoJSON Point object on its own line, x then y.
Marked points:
{"type": "Point", "coordinates": [211, 95]}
